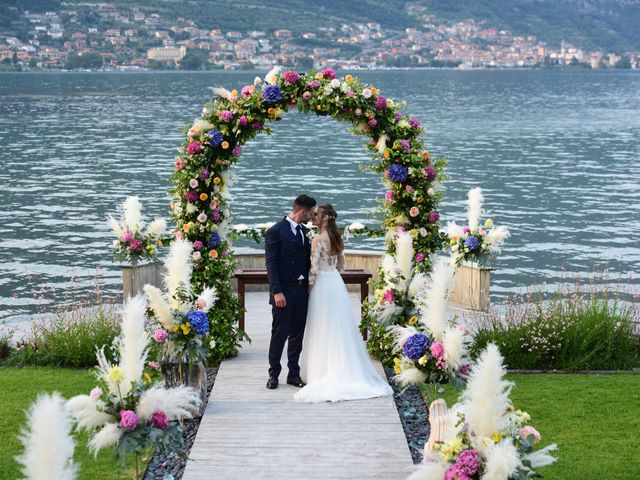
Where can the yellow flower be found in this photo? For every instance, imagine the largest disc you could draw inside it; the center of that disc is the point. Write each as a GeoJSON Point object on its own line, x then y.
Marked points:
{"type": "Point", "coordinates": [396, 366]}
{"type": "Point", "coordinates": [225, 145]}
{"type": "Point", "coordinates": [413, 232]}
{"type": "Point", "coordinates": [318, 107]}
{"type": "Point", "coordinates": [348, 78]}
{"type": "Point", "coordinates": [450, 448]}
{"type": "Point", "coordinates": [115, 375]}
{"type": "Point", "coordinates": [423, 360]}
{"type": "Point", "coordinates": [216, 180]}
{"type": "Point", "coordinates": [420, 200]}
{"type": "Point", "coordinates": [186, 328]}
{"type": "Point", "coordinates": [413, 320]}
{"type": "Point", "coordinates": [488, 223]}
{"type": "Point", "coordinates": [271, 111]}
{"type": "Point", "coordinates": [152, 250]}
{"type": "Point", "coordinates": [319, 76]}
{"type": "Point", "coordinates": [148, 377]}
{"type": "Point", "coordinates": [453, 240]}
{"type": "Point", "coordinates": [176, 328]}
{"type": "Point", "coordinates": [496, 437]}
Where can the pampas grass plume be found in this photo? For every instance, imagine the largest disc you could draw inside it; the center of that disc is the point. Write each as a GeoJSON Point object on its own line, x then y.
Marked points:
{"type": "Point", "coordinates": [486, 397]}
{"type": "Point", "coordinates": [454, 347]}
{"type": "Point", "coordinates": [404, 256]}
{"type": "Point", "coordinates": [179, 402]}
{"type": "Point", "coordinates": [48, 445]}
{"type": "Point", "coordinates": [157, 227]}
{"type": "Point", "coordinates": [115, 226]}
{"type": "Point", "coordinates": [85, 411]}
{"type": "Point", "coordinates": [159, 305]}
{"type": "Point", "coordinates": [382, 143]}
{"type": "Point", "coordinates": [502, 461]}
{"type": "Point", "coordinates": [495, 238]}
{"type": "Point", "coordinates": [429, 470]}
{"type": "Point", "coordinates": [132, 210]}
{"type": "Point", "coordinates": [108, 436]}
{"type": "Point", "coordinates": [134, 342]}
{"type": "Point", "coordinates": [435, 300]}
{"type": "Point", "coordinates": [474, 207]}
{"type": "Point", "coordinates": [179, 266]}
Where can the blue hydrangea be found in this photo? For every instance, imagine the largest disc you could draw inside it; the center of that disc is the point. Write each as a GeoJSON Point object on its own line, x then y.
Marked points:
{"type": "Point", "coordinates": [215, 240]}
{"type": "Point", "coordinates": [415, 346]}
{"type": "Point", "coordinates": [472, 243]}
{"type": "Point", "coordinates": [198, 321]}
{"type": "Point", "coordinates": [397, 173]}
{"type": "Point", "coordinates": [215, 138]}
{"type": "Point", "coordinates": [271, 94]}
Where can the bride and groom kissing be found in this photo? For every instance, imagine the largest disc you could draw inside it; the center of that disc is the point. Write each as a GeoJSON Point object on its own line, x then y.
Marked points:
{"type": "Point", "coordinates": [311, 310]}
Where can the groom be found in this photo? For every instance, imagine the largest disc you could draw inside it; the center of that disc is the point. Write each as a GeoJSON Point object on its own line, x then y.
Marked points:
{"type": "Point", "coordinates": [287, 255]}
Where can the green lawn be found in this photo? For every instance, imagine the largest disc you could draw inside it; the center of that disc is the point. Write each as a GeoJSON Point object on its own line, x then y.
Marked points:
{"type": "Point", "coordinates": [594, 419]}
{"type": "Point", "coordinates": [19, 387]}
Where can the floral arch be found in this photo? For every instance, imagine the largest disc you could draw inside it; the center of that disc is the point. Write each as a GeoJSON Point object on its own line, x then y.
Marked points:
{"type": "Point", "coordinates": [213, 144]}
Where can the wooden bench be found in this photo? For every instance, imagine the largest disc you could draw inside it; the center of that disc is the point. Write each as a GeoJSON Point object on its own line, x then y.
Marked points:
{"type": "Point", "coordinates": [259, 277]}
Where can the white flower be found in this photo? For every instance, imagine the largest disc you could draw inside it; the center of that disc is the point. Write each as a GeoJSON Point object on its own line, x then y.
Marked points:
{"type": "Point", "coordinates": [202, 217]}
{"type": "Point", "coordinates": [257, 81]}
{"type": "Point", "coordinates": [226, 213]}
{"type": "Point", "coordinates": [423, 232]}
{"type": "Point", "coordinates": [241, 227]}
{"type": "Point", "coordinates": [431, 192]}
{"type": "Point", "coordinates": [193, 183]}
{"type": "Point", "coordinates": [355, 226]}
{"type": "Point", "coordinates": [335, 83]}
{"type": "Point", "coordinates": [272, 76]}
{"type": "Point", "coordinates": [116, 243]}
{"type": "Point", "coordinates": [344, 86]}
{"type": "Point", "coordinates": [206, 112]}
{"type": "Point", "coordinates": [191, 208]}
{"type": "Point", "coordinates": [366, 93]}
{"type": "Point", "coordinates": [196, 255]}
{"type": "Point", "coordinates": [212, 344]}
{"type": "Point", "coordinates": [358, 112]}
{"type": "Point", "coordinates": [403, 124]}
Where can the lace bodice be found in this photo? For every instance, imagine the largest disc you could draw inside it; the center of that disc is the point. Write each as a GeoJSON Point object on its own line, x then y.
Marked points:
{"type": "Point", "coordinates": [322, 261]}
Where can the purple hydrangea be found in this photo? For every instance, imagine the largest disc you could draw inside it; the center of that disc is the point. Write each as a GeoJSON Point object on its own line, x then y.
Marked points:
{"type": "Point", "coordinates": [397, 173]}
{"type": "Point", "coordinates": [191, 196]}
{"type": "Point", "coordinates": [215, 240]}
{"type": "Point", "coordinates": [204, 174]}
{"type": "Point", "coordinates": [406, 146]}
{"type": "Point", "coordinates": [290, 77]}
{"type": "Point", "coordinates": [373, 122]}
{"type": "Point", "coordinates": [467, 462]}
{"type": "Point", "coordinates": [313, 84]}
{"type": "Point", "coordinates": [271, 94]}
{"type": "Point", "coordinates": [414, 122]}
{"type": "Point", "coordinates": [472, 243]}
{"type": "Point", "coordinates": [198, 321]}
{"type": "Point", "coordinates": [237, 150]}
{"type": "Point", "coordinates": [381, 103]}
{"type": "Point", "coordinates": [215, 138]}
{"type": "Point", "coordinates": [434, 217]}
{"type": "Point", "coordinates": [215, 216]}
{"type": "Point", "coordinates": [397, 117]}
{"type": "Point", "coordinates": [414, 347]}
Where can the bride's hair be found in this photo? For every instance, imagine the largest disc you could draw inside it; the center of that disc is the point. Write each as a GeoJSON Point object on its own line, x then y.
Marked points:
{"type": "Point", "coordinates": [337, 245]}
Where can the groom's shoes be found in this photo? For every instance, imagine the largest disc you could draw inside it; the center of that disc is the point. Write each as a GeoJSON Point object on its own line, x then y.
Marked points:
{"type": "Point", "coordinates": [272, 383]}
{"type": "Point", "coordinates": [296, 381]}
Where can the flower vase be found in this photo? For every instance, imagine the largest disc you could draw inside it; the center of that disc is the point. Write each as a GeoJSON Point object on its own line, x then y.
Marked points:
{"type": "Point", "coordinates": [190, 374]}
{"type": "Point", "coordinates": [438, 425]}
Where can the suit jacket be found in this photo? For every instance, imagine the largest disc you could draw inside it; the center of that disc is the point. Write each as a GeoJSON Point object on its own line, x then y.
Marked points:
{"type": "Point", "coordinates": [286, 257]}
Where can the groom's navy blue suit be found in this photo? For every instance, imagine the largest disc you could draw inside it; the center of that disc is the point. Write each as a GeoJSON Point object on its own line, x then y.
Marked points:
{"type": "Point", "coordinates": [287, 256]}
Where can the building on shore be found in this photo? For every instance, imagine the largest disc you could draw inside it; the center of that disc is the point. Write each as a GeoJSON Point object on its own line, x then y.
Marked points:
{"type": "Point", "coordinates": [167, 54]}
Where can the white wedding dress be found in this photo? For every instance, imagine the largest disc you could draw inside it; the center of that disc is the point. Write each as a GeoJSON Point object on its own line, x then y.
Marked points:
{"type": "Point", "coordinates": [334, 361]}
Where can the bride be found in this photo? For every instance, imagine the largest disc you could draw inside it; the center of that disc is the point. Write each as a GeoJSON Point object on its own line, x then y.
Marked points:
{"type": "Point", "coordinates": [335, 363]}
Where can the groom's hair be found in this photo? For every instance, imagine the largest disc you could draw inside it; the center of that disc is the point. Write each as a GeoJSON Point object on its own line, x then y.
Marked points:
{"type": "Point", "coordinates": [303, 201]}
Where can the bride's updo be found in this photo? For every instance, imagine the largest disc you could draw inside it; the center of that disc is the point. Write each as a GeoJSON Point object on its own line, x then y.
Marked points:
{"type": "Point", "coordinates": [337, 245]}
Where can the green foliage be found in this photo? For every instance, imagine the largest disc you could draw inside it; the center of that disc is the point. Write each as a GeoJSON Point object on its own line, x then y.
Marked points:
{"type": "Point", "coordinates": [86, 60]}
{"type": "Point", "coordinates": [70, 340]}
{"type": "Point", "coordinates": [6, 345]}
{"type": "Point", "coordinates": [569, 332]}
{"type": "Point", "coordinates": [195, 60]}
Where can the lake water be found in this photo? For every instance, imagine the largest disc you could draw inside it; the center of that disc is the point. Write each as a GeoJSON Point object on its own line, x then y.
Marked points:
{"type": "Point", "coordinates": [557, 154]}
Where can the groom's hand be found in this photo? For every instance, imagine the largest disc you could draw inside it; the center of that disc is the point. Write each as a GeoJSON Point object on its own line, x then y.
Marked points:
{"type": "Point", "coordinates": [280, 300]}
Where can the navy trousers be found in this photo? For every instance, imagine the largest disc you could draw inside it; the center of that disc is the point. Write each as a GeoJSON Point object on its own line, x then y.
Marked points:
{"type": "Point", "coordinates": [288, 324]}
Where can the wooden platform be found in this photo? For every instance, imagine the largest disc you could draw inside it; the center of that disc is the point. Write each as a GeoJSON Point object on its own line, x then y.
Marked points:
{"type": "Point", "coordinates": [250, 432]}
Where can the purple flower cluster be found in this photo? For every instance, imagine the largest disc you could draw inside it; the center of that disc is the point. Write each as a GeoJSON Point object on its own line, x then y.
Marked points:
{"type": "Point", "coordinates": [415, 346]}
{"type": "Point", "coordinates": [467, 462]}
{"type": "Point", "coordinates": [204, 174]}
{"type": "Point", "coordinates": [191, 196]}
{"type": "Point", "coordinates": [271, 94]}
{"type": "Point", "coordinates": [257, 126]}
{"type": "Point", "coordinates": [215, 216]}
{"type": "Point", "coordinates": [397, 173]}
{"type": "Point", "coordinates": [237, 150]}
{"type": "Point", "coordinates": [159, 419]}
{"type": "Point", "coordinates": [313, 84]}
{"type": "Point", "coordinates": [406, 146]}
{"type": "Point", "coordinates": [434, 217]}
{"type": "Point", "coordinates": [373, 123]}
{"type": "Point", "coordinates": [215, 138]}
{"type": "Point", "coordinates": [198, 321]}
{"type": "Point", "coordinates": [381, 103]}
{"type": "Point", "coordinates": [328, 73]}
{"type": "Point", "coordinates": [215, 240]}
{"type": "Point", "coordinates": [194, 148]}
{"type": "Point", "coordinates": [472, 243]}
{"type": "Point", "coordinates": [397, 117]}
{"type": "Point", "coordinates": [197, 245]}
{"type": "Point", "coordinates": [128, 420]}
{"type": "Point", "coordinates": [414, 122]}
{"type": "Point", "coordinates": [430, 173]}
{"type": "Point", "coordinates": [225, 115]}
{"type": "Point", "coordinates": [243, 121]}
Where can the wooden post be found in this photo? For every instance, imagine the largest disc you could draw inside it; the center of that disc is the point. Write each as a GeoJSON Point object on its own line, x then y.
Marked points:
{"type": "Point", "coordinates": [133, 279]}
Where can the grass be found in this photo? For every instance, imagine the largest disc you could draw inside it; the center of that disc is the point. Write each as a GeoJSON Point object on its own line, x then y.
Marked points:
{"type": "Point", "coordinates": [20, 387]}
{"type": "Point", "coordinates": [593, 419]}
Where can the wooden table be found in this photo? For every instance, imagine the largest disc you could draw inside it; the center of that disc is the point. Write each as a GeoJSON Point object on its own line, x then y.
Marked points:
{"type": "Point", "coordinates": [259, 277]}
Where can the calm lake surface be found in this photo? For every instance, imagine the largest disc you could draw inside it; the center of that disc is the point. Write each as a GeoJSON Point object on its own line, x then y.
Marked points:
{"type": "Point", "coordinates": [557, 154]}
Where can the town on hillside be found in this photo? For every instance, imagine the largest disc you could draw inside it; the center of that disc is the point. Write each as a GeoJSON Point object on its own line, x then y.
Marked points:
{"type": "Point", "coordinates": [124, 37]}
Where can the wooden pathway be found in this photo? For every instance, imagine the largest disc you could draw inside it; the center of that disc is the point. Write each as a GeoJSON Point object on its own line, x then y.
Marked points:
{"type": "Point", "coordinates": [249, 432]}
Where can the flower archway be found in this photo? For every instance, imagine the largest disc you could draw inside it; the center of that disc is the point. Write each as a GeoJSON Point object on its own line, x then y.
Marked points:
{"type": "Point", "coordinates": [213, 144]}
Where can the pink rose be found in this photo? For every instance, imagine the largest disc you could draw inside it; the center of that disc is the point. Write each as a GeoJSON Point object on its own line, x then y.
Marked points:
{"type": "Point", "coordinates": [180, 164]}
{"type": "Point", "coordinates": [465, 230]}
{"type": "Point", "coordinates": [409, 188]}
{"type": "Point", "coordinates": [200, 303]}
{"type": "Point", "coordinates": [153, 364]}
{"type": "Point", "coordinates": [328, 73]}
{"type": "Point", "coordinates": [400, 229]}
{"type": "Point", "coordinates": [420, 257]}
{"type": "Point", "coordinates": [159, 419]}
{"type": "Point", "coordinates": [527, 431]}
{"type": "Point", "coordinates": [135, 244]}
{"type": "Point", "coordinates": [160, 335]}
{"type": "Point", "coordinates": [246, 91]}
{"type": "Point", "coordinates": [194, 148]}
{"type": "Point", "coordinates": [414, 212]}
{"type": "Point", "coordinates": [179, 235]}
{"type": "Point", "coordinates": [306, 95]}
{"type": "Point", "coordinates": [290, 77]}
{"type": "Point", "coordinates": [198, 245]}
{"type": "Point", "coordinates": [196, 256]}
{"type": "Point", "coordinates": [388, 296]}
{"type": "Point", "coordinates": [126, 236]}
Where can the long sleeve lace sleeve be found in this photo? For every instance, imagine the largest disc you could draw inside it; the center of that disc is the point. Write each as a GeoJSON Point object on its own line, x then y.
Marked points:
{"type": "Point", "coordinates": [315, 260]}
{"type": "Point", "coordinates": [342, 262]}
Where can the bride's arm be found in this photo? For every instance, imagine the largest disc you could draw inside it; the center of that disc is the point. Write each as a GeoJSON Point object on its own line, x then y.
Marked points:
{"type": "Point", "coordinates": [315, 257]}
{"type": "Point", "coordinates": [342, 262]}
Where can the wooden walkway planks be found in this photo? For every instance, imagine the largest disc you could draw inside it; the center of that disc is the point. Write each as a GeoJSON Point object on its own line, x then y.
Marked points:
{"type": "Point", "coordinates": [250, 432]}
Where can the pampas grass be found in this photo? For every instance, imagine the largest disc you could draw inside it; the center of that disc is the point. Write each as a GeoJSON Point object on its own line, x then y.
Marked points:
{"type": "Point", "coordinates": [133, 342]}
{"type": "Point", "coordinates": [157, 227]}
{"type": "Point", "coordinates": [435, 299]}
{"type": "Point", "coordinates": [160, 307]}
{"type": "Point", "coordinates": [474, 207]}
{"type": "Point", "coordinates": [495, 238]}
{"type": "Point", "coordinates": [410, 376]}
{"type": "Point", "coordinates": [404, 257]}
{"type": "Point", "coordinates": [502, 461]}
{"type": "Point", "coordinates": [108, 436]}
{"type": "Point", "coordinates": [179, 402]}
{"type": "Point", "coordinates": [486, 397]}
{"type": "Point", "coordinates": [132, 212]}
{"type": "Point", "coordinates": [86, 413]}
{"type": "Point", "coordinates": [381, 145]}
{"type": "Point", "coordinates": [429, 471]}
{"type": "Point", "coordinates": [454, 348]}
{"type": "Point", "coordinates": [207, 298]}
{"type": "Point", "coordinates": [541, 458]}
{"type": "Point", "coordinates": [178, 266]}
{"type": "Point", "coordinates": [48, 445]}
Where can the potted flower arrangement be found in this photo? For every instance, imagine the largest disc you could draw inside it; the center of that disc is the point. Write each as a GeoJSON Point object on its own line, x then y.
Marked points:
{"type": "Point", "coordinates": [181, 324]}
{"type": "Point", "coordinates": [126, 410]}
{"type": "Point", "coordinates": [484, 436]}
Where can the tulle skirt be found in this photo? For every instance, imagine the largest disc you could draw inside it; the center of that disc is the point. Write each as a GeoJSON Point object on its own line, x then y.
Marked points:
{"type": "Point", "coordinates": [335, 363]}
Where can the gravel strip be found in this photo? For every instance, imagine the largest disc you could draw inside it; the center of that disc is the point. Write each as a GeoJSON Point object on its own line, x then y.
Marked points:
{"type": "Point", "coordinates": [413, 415]}
{"type": "Point", "coordinates": [170, 466]}
{"type": "Point", "coordinates": [411, 409]}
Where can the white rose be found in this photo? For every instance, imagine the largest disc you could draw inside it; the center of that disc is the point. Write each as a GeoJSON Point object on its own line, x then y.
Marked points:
{"type": "Point", "coordinates": [355, 226]}
{"type": "Point", "coordinates": [366, 93]}
{"type": "Point", "coordinates": [257, 81]}
{"type": "Point", "coordinates": [335, 83]}
{"type": "Point", "coordinates": [116, 243]}
{"type": "Point", "coordinates": [196, 256]}
{"type": "Point", "coordinates": [206, 112]}
{"type": "Point", "coordinates": [193, 183]}
{"type": "Point", "coordinates": [202, 217]}
{"type": "Point", "coordinates": [431, 192]}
